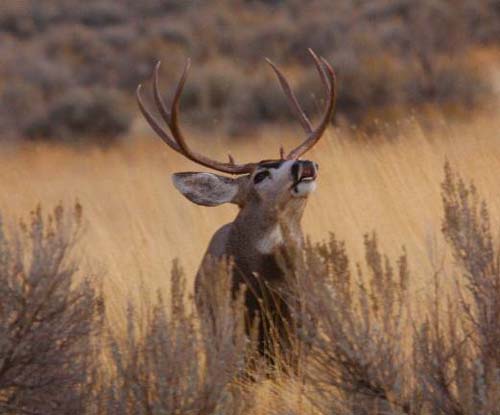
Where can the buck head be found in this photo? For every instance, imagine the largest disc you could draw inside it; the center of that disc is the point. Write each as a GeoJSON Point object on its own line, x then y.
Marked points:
{"type": "Point", "coordinates": [262, 186]}
{"type": "Point", "coordinates": [273, 184]}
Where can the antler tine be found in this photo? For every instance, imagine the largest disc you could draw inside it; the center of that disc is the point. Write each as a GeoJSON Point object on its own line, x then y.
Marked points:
{"type": "Point", "coordinates": [321, 70]}
{"type": "Point", "coordinates": [162, 108]}
{"type": "Point", "coordinates": [328, 78]}
{"type": "Point", "coordinates": [171, 118]}
{"type": "Point", "coordinates": [292, 99]}
{"type": "Point", "coordinates": [282, 153]}
{"type": "Point", "coordinates": [154, 123]}
{"type": "Point", "coordinates": [174, 113]}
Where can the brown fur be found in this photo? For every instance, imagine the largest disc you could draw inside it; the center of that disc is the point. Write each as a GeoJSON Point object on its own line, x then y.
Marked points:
{"type": "Point", "coordinates": [260, 272]}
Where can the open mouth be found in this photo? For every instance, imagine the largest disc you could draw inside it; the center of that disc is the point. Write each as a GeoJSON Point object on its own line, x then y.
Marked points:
{"type": "Point", "coordinates": [305, 179]}
{"type": "Point", "coordinates": [304, 174]}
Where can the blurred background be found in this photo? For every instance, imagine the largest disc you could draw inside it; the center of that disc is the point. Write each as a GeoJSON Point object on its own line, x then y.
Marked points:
{"type": "Point", "coordinates": [69, 68]}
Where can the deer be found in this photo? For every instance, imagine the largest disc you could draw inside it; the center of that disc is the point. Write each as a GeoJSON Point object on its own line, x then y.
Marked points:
{"type": "Point", "coordinates": [271, 196]}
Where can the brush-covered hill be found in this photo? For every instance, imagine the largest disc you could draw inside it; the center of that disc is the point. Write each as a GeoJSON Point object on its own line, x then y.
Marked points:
{"type": "Point", "coordinates": [68, 69]}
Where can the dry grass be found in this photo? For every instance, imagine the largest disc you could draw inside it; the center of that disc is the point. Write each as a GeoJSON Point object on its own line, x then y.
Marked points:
{"type": "Point", "coordinates": [138, 222]}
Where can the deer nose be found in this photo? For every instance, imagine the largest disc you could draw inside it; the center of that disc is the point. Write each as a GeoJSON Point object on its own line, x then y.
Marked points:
{"type": "Point", "coordinates": [304, 169]}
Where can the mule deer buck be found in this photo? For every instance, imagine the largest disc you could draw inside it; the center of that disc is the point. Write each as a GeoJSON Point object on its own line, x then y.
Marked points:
{"type": "Point", "coordinates": [271, 196]}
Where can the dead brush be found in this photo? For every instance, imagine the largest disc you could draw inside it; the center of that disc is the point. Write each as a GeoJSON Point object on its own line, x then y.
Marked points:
{"type": "Point", "coordinates": [353, 344]}
{"type": "Point", "coordinates": [457, 347]}
{"type": "Point", "coordinates": [48, 318]}
{"type": "Point", "coordinates": [352, 329]}
{"type": "Point", "coordinates": [169, 363]}
{"type": "Point", "coordinates": [364, 352]}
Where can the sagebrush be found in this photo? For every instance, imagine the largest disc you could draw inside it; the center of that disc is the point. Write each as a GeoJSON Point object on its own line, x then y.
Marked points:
{"type": "Point", "coordinates": [363, 342]}
{"type": "Point", "coordinates": [390, 55]}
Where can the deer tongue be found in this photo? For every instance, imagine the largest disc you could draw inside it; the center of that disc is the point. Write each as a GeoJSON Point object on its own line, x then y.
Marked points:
{"type": "Point", "coordinates": [307, 172]}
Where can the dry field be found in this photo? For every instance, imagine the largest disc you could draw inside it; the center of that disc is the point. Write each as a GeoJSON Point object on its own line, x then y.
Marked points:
{"type": "Point", "coordinates": [366, 342]}
{"type": "Point", "coordinates": [137, 223]}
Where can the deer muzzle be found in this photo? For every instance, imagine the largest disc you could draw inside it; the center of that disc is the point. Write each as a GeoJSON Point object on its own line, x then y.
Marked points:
{"type": "Point", "coordinates": [303, 172]}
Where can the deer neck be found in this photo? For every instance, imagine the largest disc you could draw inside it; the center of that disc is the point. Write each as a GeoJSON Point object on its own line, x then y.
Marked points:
{"type": "Point", "coordinates": [262, 230]}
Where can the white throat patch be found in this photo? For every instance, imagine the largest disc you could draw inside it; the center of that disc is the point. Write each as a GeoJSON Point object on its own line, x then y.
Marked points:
{"type": "Point", "coordinates": [270, 240]}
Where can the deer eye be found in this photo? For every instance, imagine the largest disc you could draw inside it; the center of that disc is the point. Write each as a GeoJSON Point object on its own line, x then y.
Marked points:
{"type": "Point", "coordinates": [260, 176]}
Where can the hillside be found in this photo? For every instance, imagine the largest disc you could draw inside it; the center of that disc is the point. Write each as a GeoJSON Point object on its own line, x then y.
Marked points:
{"type": "Point", "coordinates": [69, 69]}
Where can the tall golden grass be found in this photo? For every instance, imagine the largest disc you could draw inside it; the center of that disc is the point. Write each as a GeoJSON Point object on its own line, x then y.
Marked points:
{"type": "Point", "coordinates": [137, 223]}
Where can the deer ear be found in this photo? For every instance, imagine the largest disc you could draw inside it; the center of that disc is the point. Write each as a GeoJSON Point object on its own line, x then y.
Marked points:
{"type": "Point", "coordinates": [207, 189]}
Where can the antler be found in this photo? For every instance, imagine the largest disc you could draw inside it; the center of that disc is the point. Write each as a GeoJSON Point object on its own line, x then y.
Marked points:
{"type": "Point", "coordinates": [327, 75]}
{"type": "Point", "coordinates": [175, 139]}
